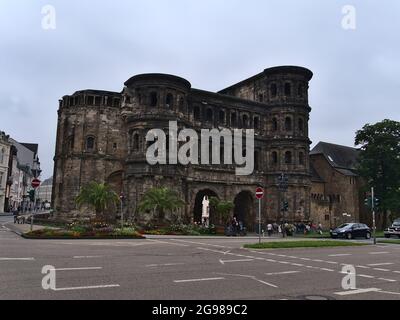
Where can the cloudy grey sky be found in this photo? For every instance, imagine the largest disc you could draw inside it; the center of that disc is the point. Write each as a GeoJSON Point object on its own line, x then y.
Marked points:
{"type": "Point", "coordinates": [212, 43]}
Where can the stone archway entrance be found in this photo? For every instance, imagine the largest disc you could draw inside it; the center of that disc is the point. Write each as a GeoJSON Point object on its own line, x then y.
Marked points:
{"type": "Point", "coordinates": [198, 205]}
{"type": "Point", "coordinates": [244, 209]}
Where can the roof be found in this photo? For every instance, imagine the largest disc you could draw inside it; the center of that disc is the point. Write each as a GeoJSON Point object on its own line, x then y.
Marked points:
{"type": "Point", "coordinates": [31, 146]}
{"type": "Point", "coordinates": [339, 157]}
{"type": "Point", "coordinates": [315, 177]}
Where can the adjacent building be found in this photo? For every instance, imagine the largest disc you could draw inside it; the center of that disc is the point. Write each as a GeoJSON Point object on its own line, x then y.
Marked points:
{"type": "Point", "coordinates": [338, 192]}
{"type": "Point", "coordinates": [44, 191]}
{"type": "Point", "coordinates": [5, 147]}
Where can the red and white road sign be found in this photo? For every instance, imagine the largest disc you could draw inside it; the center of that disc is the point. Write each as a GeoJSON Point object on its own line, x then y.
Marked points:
{"type": "Point", "coordinates": [35, 183]}
{"type": "Point", "coordinates": [259, 193]}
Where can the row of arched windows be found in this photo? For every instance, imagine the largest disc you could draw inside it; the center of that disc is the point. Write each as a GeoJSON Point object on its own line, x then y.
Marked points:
{"type": "Point", "coordinates": [288, 125]}
{"type": "Point", "coordinates": [287, 90]}
{"type": "Point", "coordinates": [288, 158]}
{"type": "Point", "coordinates": [89, 100]}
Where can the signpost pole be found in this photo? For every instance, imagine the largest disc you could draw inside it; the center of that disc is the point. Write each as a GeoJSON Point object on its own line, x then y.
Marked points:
{"type": "Point", "coordinates": [259, 221]}
{"type": "Point", "coordinates": [373, 213]}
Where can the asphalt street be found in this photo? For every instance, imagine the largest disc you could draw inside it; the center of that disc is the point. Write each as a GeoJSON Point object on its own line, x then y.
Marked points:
{"type": "Point", "coordinates": [191, 269]}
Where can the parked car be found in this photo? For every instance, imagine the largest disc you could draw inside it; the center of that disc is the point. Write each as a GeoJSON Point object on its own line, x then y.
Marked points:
{"type": "Point", "coordinates": [352, 231]}
{"type": "Point", "coordinates": [394, 230]}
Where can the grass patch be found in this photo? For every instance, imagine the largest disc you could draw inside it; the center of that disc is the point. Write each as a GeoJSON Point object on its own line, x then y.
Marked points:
{"type": "Point", "coordinates": [390, 241]}
{"type": "Point", "coordinates": [302, 244]}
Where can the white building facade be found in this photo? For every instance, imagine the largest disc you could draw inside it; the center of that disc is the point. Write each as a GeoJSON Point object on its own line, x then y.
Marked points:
{"type": "Point", "coordinates": [5, 146]}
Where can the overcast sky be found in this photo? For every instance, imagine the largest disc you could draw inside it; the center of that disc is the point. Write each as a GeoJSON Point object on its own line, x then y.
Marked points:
{"type": "Point", "coordinates": [212, 43]}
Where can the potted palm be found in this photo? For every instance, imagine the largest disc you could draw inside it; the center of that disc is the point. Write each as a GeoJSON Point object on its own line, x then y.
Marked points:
{"type": "Point", "coordinates": [223, 209]}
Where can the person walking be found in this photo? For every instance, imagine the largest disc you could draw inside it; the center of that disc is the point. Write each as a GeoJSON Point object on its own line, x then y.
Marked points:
{"type": "Point", "coordinates": [269, 229]}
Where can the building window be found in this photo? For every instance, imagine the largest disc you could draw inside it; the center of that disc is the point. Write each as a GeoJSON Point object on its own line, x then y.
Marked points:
{"type": "Point", "coordinates": [301, 158]}
{"type": "Point", "coordinates": [300, 91]}
{"type": "Point", "coordinates": [260, 97]}
{"type": "Point", "coordinates": [153, 99]}
{"type": "Point", "coordinates": [90, 142]}
{"type": "Point", "coordinates": [288, 124]}
{"type": "Point", "coordinates": [117, 102]}
{"type": "Point", "coordinates": [221, 116]}
{"type": "Point", "coordinates": [181, 104]}
{"type": "Point", "coordinates": [245, 121]}
{"type": "Point", "coordinates": [209, 115]}
{"type": "Point", "coordinates": [256, 123]}
{"type": "Point", "coordinates": [109, 101]}
{"type": "Point", "coordinates": [127, 99]}
{"type": "Point", "coordinates": [275, 124]}
{"type": "Point", "coordinates": [169, 101]}
{"type": "Point", "coordinates": [233, 120]}
{"type": "Point", "coordinates": [196, 113]}
{"type": "Point", "coordinates": [97, 101]}
{"type": "Point", "coordinates": [327, 217]}
{"type": "Point", "coordinates": [136, 142]}
{"type": "Point", "coordinates": [274, 90]}
{"type": "Point", "coordinates": [274, 158]}
{"type": "Point", "coordinates": [115, 146]}
{"type": "Point", "coordinates": [71, 143]}
{"type": "Point", "coordinates": [301, 125]}
{"type": "Point", "coordinates": [288, 157]}
{"type": "Point", "coordinates": [90, 100]}
{"type": "Point", "coordinates": [288, 89]}
{"type": "Point", "coordinates": [2, 155]}
{"type": "Point", "coordinates": [256, 160]}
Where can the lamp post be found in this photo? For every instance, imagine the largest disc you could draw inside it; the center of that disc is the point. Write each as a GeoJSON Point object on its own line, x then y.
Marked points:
{"type": "Point", "coordinates": [36, 174]}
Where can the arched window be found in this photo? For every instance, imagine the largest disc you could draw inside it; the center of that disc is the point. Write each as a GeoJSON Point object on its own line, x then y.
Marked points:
{"type": "Point", "coordinates": [127, 99]}
{"type": "Point", "coordinates": [288, 89]}
{"type": "Point", "coordinates": [169, 101]}
{"type": "Point", "coordinates": [274, 90]}
{"type": "Point", "coordinates": [301, 159]}
{"type": "Point", "coordinates": [233, 119]}
{"type": "Point", "coordinates": [300, 91]}
{"type": "Point", "coordinates": [288, 124]}
{"type": "Point", "coordinates": [274, 158]}
{"type": "Point", "coordinates": [196, 113]}
{"type": "Point", "coordinates": [222, 116]}
{"type": "Point", "coordinates": [256, 123]}
{"type": "Point", "coordinates": [245, 121]}
{"type": "Point", "coordinates": [256, 160]}
{"type": "Point", "coordinates": [209, 115]}
{"type": "Point", "coordinates": [181, 104]}
{"type": "Point", "coordinates": [301, 125]}
{"type": "Point", "coordinates": [260, 97]}
{"type": "Point", "coordinates": [153, 99]}
{"type": "Point", "coordinates": [136, 142]}
{"type": "Point", "coordinates": [288, 157]}
{"type": "Point", "coordinates": [274, 124]}
{"type": "Point", "coordinates": [90, 144]}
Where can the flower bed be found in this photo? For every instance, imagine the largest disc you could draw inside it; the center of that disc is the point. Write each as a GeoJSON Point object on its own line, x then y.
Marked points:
{"type": "Point", "coordinates": [82, 233]}
{"type": "Point", "coordinates": [180, 230]}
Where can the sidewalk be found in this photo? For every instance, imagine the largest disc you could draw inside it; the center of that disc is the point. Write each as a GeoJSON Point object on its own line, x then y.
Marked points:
{"type": "Point", "coordinates": [23, 228]}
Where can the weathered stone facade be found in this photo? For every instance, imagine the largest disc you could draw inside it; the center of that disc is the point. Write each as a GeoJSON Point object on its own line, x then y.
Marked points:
{"type": "Point", "coordinates": [101, 137]}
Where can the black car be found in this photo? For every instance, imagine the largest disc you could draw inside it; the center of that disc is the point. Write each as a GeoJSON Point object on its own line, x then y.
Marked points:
{"type": "Point", "coordinates": [352, 231]}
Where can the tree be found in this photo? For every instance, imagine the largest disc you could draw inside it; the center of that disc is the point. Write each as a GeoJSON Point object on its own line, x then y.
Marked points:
{"type": "Point", "coordinates": [160, 200]}
{"type": "Point", "coordinates": [99, 196]}
{"type": "Point", "coordinates": [379, 163]}
{"type": "Point", "coordinates": [222, 208]}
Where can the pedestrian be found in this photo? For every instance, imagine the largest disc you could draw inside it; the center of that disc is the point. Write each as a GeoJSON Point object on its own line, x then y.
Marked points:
{"type": "Point", "coordinates": [320, 231]}
{"type": "Point", "coordinates": [269, 229]}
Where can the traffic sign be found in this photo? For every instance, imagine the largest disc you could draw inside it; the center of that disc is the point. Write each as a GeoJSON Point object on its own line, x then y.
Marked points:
{"type": "Point", "coordinates": [259, 193]}
{"type": "Point", "coordinates": [35, 183]}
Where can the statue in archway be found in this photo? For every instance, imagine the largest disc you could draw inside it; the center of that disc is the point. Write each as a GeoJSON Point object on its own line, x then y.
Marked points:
{"type": "Point", "coordinates": [205, 216]}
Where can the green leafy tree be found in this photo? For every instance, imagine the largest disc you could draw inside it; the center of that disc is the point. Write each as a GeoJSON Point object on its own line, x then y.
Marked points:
{"type": "Point", "coordinates": [160, 201]}
{"type": "Point", "coordinates": [222, 208]}
{"type": "Point", "coordinates": [98, 196]}
{"type": "Point", "coordinates": [379, 163]}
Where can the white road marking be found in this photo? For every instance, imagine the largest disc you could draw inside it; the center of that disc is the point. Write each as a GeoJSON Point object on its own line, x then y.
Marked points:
{"type": "Point", "coordinates": [169, 243]}
{"type": "Point", "coordinates": [88, 287]}
{"type": "Point", "coordinates": [325, 269]}
{"type": "Point", "coordinates": [359, 291]}
{"type": "Point", "coordinates": [165, 265]}
{"type": "Point", "coordinates": [17, 259]}
{"type": "Point", "coordinates": [281, 273]}
{"type": "Point", "coordinates": [198, 280]}
{"type": "Point", "coordinates": [380, 264]}
{"type": "Point", "coordinates": [232, 261]}
{"type": "Point", "coordinates": [379, 253]}
{"type": "Point", "coordinates": [396, 271]}
{"type": "Point", "coordinates": [203, 244]}
{"type": "Point", "coordinates": [77, 269]}
{"type": "Point", "coordinates": [340, 255]}
{"type": "Point", "coordinates": [379, 269]}
{"type": "Point", "coordinates": [366, 276]}
{"type": "Point", "coordinates": [87, 257]}
{"type": "Point", "coordinates": [388, 280]}
{"type": "Point", "coordinates": [363, 267]}
{"type": "Point", "coordinates": [250, 277]}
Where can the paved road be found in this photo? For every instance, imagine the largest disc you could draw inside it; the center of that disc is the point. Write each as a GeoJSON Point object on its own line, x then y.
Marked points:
{"type": "Point", "coordinates": [176, 269]}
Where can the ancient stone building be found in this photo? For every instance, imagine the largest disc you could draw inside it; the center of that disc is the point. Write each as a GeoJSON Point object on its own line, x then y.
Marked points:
{"type": "Point", "coordinates": [101, 137]}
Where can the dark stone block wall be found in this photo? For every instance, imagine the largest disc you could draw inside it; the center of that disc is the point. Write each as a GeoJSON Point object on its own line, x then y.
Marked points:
{"type": "Point", "coordinates": [101, 137]}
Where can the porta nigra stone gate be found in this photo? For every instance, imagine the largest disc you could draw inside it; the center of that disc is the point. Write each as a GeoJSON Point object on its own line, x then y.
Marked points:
{"type": "Point", "coordinates": [101, 136]}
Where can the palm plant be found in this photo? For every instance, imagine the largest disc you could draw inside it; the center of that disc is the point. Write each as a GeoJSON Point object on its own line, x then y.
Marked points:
{"type": "Point", "coordinates": [222, 208]}
{"type": "Point", "coordinates": [160, 200]}
{"type": "Point", "coordinates": [99, 196]}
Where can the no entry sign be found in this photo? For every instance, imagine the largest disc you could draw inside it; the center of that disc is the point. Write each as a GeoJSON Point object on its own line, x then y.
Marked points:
{"type": "Point", "coordinates": [259, 193]}
{"type": "Point", "coordinates": [35, 183]}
